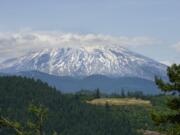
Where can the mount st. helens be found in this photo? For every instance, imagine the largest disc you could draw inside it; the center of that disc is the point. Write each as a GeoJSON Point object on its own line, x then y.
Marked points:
{"type": "Point", "coordinates": [71, 69]}
{"type": "Point", "coordinates": [86, 61]}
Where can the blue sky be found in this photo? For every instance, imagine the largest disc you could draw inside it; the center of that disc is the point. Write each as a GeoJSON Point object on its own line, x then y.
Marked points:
{"type": "Point", "coordinates": [156, 19]}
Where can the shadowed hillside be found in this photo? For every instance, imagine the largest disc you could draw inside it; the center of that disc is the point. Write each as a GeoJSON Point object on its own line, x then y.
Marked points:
{"type": "Point", "coordinates": [106, 84]}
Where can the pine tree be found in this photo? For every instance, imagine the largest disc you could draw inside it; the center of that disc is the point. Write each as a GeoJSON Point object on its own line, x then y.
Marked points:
{"type": "Point", "coordinates": [123, 93]}
{"type": "Point", "coordinates": [34, 125]}
{"type": "Point", "coordinates": [173, 86]}
{"type": "Point", "coordinates": [97, 93]}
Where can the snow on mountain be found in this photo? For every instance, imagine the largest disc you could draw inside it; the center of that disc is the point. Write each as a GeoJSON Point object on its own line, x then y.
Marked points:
{"type": "Point", "coordinates": [86, 61]}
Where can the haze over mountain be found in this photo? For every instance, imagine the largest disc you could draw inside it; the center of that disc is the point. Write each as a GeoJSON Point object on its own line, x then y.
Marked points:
{"type": "Point", "coordinates": [104, 83]}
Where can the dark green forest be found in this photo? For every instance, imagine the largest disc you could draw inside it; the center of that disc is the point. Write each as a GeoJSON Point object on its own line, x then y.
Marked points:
{"type": "Point", "coordinates": [68, 114]}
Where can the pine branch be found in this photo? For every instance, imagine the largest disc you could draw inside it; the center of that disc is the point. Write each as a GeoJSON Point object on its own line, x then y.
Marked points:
{"type": "Point", "coordinates": [13, 125]}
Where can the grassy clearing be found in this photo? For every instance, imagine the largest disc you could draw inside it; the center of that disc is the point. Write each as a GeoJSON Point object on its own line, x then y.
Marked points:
{"type": "Point", "coordinates": [148, 132]}
{"type": "Point", "coordinates": [119, 101]}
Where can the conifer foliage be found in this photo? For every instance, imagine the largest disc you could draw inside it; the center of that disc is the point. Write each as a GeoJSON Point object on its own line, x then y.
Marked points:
{"type": "Point", "coordinates": [68, 114]}
{"type": "Point", "coordinates": [172, 116]}
{"type": "Point", "coordinates": [34, 126]}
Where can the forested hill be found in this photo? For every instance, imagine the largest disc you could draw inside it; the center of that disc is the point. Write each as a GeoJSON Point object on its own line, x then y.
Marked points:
{"type": "Point", "coordinates": [68, 115]}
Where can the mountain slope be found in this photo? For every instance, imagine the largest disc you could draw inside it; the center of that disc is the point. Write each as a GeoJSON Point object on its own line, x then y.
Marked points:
{"type": "Point", "coordinates": [86, 61]}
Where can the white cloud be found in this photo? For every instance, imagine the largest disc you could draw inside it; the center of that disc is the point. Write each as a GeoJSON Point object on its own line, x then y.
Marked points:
{"type": "Point", "coordinates": [13, 44]}
{"type": "Point", "coordinates": [167, 62]}
{"type": "Point", "coordinates": [177, 46]}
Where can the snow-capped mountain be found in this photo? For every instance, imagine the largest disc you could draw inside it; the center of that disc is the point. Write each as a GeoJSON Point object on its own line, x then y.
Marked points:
{"type": "Point", "coordinates": [86, 61]}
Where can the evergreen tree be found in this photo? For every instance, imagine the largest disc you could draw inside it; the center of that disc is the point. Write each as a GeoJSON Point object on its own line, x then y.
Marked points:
{"type": "Point", "coordinates": [172, 117]}
{"type": "Point", "coordinates": [123, 93]}
{"type": "Point", "coordinates": [34, 125]}
{"type": "Point", "coordinates": [97, 93]}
